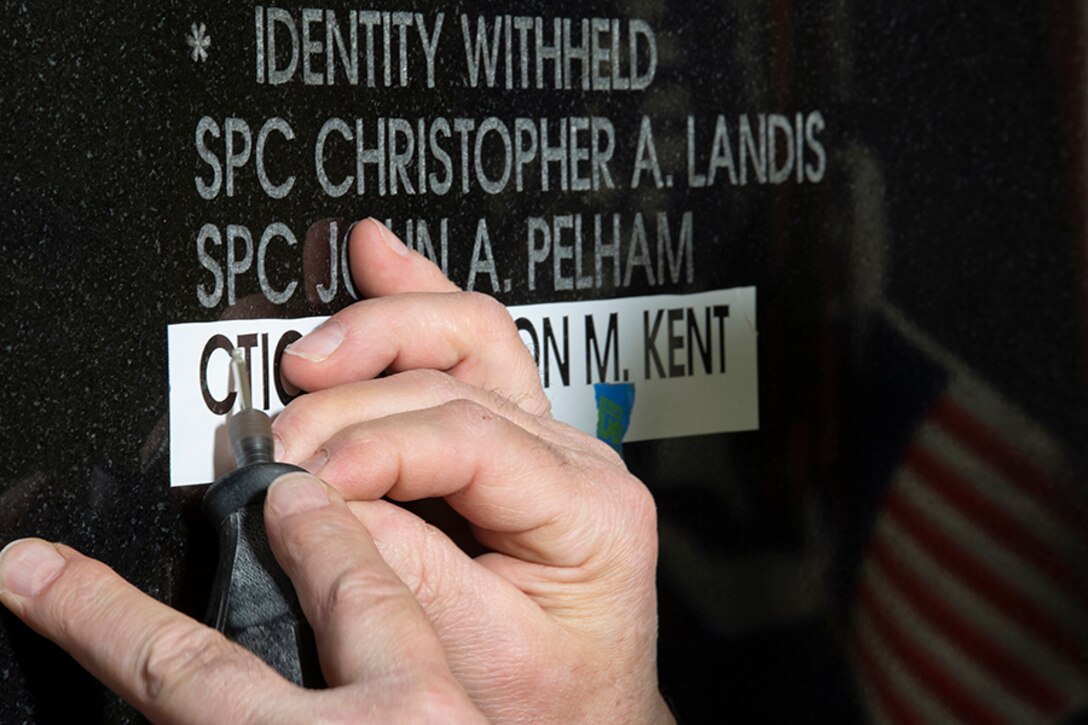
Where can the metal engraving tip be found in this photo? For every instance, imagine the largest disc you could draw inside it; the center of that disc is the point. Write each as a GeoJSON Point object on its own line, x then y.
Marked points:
{"type": "Point", "coordinates": [241, 379]}
{"type": "Point", "coordinates": [250, 430]}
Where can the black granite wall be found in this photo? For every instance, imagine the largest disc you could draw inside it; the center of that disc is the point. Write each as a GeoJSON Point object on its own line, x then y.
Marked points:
{"type": "Point", "coordinates": [931, 258]}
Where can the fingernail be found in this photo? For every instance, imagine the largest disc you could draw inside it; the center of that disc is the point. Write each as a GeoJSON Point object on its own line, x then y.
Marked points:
{"type": "Point", "coordinates": [316, 462]}
{"type": "Point", "coordinates": [28, 565]}
{"type": "Point", "coordinates": [295, 493]}
{"type": "Point", "coordinates": [319, 344]}
{"type": "Point", "coordinates": [390, 238]}
{"type": "Point", "coordinates": [277, 447]}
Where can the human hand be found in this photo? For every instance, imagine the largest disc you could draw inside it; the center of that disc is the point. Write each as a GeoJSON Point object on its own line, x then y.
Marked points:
{"type": "Point", "coordinates": [558, 622]}
{"type": "Point", "coordinates": [381, 657]}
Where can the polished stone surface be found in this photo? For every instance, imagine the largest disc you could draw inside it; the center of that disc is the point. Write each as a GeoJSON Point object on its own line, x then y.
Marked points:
{"type": "Point", "coordinates": [923, 320]}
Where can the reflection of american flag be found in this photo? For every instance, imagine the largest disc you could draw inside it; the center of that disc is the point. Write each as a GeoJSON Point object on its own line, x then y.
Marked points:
{"type": "Point", "coordinates": [972, 601]}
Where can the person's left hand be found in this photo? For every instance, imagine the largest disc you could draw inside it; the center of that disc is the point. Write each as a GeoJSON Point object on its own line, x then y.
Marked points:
{"type": "Point", "coordinates": [383, 661]}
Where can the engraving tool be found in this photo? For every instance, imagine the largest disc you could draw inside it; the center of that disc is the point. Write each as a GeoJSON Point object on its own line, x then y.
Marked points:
{"type": "Point", "coordinates": [253, 601]}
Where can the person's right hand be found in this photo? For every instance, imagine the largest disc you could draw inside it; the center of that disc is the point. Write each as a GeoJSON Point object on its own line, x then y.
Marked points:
{"type": "Point", "coordinates": [558, 622]}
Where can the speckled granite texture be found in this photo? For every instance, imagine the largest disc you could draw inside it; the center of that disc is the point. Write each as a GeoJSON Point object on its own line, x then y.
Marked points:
{"type": "Point", "coordinates": [943, 238]}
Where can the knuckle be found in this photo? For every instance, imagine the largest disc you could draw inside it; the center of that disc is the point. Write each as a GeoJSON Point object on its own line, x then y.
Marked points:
{"type": "Point", "coordinates": [298, 416]}
{"type": "Point", "coordinates": [282, 422]}
{"type": "Point", "coordinates": [484, 302]}
{"type": "Point", "coordinates": [491, 313]}
{"type": "Point", "coordinates": [640, 516]}
{"type": "Point", "coordinates": [465, 412]}
{"type": "Point", "coordinates": [293, 422]}
{"type": "Point", "coordinates": [640, 505]}
{"type": "Point", "coordinates": [510, 407]}
{"type": "Point", "coordinates": [181, 650]}
{"type": "Point", "coordinates": [634, 498]}
{"type": "Point", "coordinates": [605, 451]}
{"type": "Point", "coordinates": [296, 408]}
{"type": "Point", "coordinates": [641, 502]}
{"type": "Point", "coordinates": [538, 404]}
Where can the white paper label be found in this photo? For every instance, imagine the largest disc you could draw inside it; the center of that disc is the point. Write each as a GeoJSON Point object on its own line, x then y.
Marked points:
{"type": "Point", "coordinates": [691, 359]}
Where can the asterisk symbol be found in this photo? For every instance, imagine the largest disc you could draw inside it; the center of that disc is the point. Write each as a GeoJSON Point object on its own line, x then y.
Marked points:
{"type": "Point", "coordinates": [199, 41]}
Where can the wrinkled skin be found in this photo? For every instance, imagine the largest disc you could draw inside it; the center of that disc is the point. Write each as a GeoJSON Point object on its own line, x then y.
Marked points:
{"type": "Point", "coordinates": [556, 622]}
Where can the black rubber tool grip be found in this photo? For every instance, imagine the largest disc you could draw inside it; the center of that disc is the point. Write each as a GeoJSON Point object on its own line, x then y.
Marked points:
{"type": "Point", "coordinates": [253, 602]}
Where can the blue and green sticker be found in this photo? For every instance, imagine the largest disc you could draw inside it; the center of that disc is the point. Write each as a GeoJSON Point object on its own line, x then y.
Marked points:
{"type": "Point", "coordinates": [614, 404]}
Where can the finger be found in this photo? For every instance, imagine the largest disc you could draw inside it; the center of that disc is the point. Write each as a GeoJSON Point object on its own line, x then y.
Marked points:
{"type": "Point", "coordinates": [518, 652]}
{"type": "Point", "coordinates": [458, 595]}
{"type": "Point", "coordinates": [310, 420]}
{"type": "Point", "coordinates": [366, 621]}
{"type": "Point", "coordinates": [167, 665]}
{"type": "Point", "coordinates": [526, 497]}
{"type": "Point", "coordinates": [469, 335]}
{"type": "Point", "coordinates": [382, 265]}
